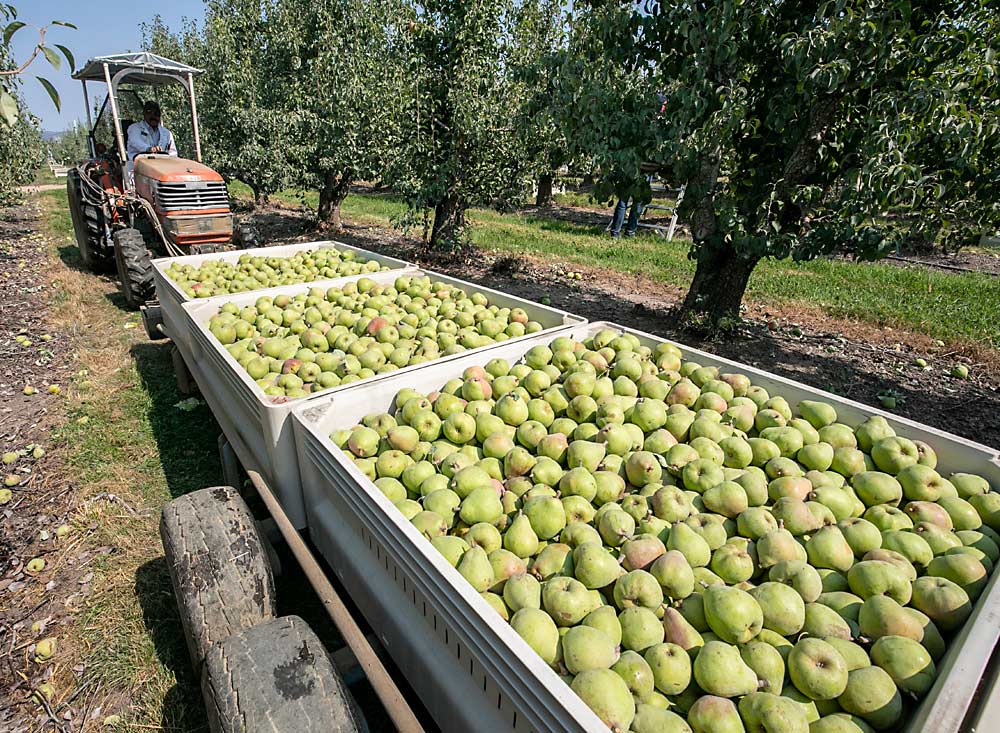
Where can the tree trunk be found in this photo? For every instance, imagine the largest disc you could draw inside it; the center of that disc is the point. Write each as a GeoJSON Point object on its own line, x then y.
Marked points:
{"type": "Point", "coordinates": [588, 180]}
{"type": "Point", "coordinates": [335, 188]}
{"type": "Point", "coordinates": [449, 222]}
{"type": "Point", "coordinates": [544, 195]}
{"type": "Point", "coordinates": [716, 292]}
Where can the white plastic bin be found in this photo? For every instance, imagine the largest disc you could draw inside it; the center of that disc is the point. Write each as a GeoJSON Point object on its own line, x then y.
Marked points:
{"type": "Point", "coordinates": [241, 407]}
{"type": "Point", "coordinates": [417, 602]}
{"type": "Point", "coordinates": [171, 296]}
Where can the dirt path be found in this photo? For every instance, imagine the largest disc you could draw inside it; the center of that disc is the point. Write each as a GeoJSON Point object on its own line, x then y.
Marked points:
{"type": "Point", "coordinates": [41, 187]}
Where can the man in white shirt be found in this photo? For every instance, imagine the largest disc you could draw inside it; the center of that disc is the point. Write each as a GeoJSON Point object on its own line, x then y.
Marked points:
{"type": "Point", "coordinates": [149, 136]}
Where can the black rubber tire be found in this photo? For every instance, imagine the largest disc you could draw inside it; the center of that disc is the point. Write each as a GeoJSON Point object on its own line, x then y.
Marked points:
{"type": "Point", "coordinates": [276, 677]}
{"type": "Point", "coordinates": [87, 227]}
{"type": "Point", "coordinates": [246, 236]}
{"type": "Point", "coordinates": [135, 268]}
{"type": "Point", "coordinates": [218, 566]}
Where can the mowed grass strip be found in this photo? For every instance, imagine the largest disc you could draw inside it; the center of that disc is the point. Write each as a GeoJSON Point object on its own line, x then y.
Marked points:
{"type": "Point", "coordinates": [128, 449]}
{"type": "Point", "coordinates": [947, 305]}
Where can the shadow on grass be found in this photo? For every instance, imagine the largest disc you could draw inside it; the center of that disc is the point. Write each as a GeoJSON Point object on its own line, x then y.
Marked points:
{"type": "Point", "coordinates": [186, 438]}
{"type": "Point", "coordinates": [183, 709]}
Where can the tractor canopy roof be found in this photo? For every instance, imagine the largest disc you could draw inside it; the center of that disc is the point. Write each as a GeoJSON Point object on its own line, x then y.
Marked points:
{"type": "Point", "coordinates": [143, 67]}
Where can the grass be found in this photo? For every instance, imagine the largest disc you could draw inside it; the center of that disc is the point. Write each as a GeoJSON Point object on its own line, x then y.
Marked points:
{"type": "Point", "coordinates": [44, 175]}
{"type": "Point", "coordinates": [942, 305]}
{"type": "Point", "coordinates": [124, 436]}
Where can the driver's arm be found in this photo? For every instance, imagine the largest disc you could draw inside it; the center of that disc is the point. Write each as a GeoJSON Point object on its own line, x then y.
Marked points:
{"type": "Point", "coordinates": [171, 148]}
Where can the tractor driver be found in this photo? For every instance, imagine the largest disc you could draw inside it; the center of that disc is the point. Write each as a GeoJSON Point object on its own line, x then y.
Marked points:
{"type": "Point", "coordinates": [149, 136]}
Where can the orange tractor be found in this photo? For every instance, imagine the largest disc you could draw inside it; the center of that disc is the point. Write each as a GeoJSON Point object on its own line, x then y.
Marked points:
{"type": "Point", "coordinates": [125, 212]}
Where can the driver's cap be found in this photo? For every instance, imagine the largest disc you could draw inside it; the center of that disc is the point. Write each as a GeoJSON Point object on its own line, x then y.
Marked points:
{"type": "Point", "coordinates": [151, 106]}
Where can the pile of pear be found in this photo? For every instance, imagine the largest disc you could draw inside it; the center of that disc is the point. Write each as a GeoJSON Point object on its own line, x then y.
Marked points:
{"type": "Point", "coordinates": [296, 345]}
{"type": "Point", "coordinates": [686, 550]}
{"type": "Point", "coordinates": [256, 271]}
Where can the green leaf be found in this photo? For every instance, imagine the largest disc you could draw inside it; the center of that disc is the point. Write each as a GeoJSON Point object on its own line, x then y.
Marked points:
{"type": "Point", "coordinates": [8, 108]}
{"type": "Point", "coordinates": [69, 56]}
{"type": "Point", "coordinates": [52, 92]}
{"type": "Point", "coordinates": [63, 23]}
{"type": "Point", "coordinates": [53, 57]}
{"type": "Point", "coordinates": [10, 30]}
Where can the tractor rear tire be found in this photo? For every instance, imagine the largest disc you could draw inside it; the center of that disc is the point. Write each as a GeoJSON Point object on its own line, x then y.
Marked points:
{"type": "Point", "coordinates": [135, 268]}
{"type": "Point", "coordinates": [275, 678]}
{"type": "Point", "coordinates": [218, 567]}
{"type": "Point", "coordinates": [87, 227]}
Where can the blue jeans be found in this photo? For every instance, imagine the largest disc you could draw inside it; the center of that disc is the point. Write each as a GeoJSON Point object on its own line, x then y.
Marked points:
{"type": "Point", "coordinates": [619, 218]}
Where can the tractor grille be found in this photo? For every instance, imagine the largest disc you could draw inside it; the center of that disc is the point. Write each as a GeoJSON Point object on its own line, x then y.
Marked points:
{"type": "Point", "coordinates": [192, 196]}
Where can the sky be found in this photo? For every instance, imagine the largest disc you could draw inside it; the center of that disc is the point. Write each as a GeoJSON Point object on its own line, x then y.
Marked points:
{"type": "Point", "coordinates": [105, 27]}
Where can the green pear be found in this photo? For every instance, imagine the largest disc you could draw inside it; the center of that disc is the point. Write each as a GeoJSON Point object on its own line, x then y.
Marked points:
{"type": "Point", "coordinates": [720, 670]}
{"type": "Point", "coordinates": [584, 647]}
{"type": "Point", "coordinates": [860, 534]}
{"type": "Point", "coordinates": [576, 533]}
{"type": "Point", "coordinates": [605, 619]}
{"type": "Point", "coordinates": [872, 695]}
{"type": "Point", "coordinates": [877, 577]}
{"type": "Point", "coordinates": [520, 538]}
{"type": "Point", "coordinates": [942, 600]}
{"type": "Point", "coordinates": [766, 713]}
{"type": "Point", "coordinates": [537, 628]}
{"type": "Point", "coordinates": [907, 662]}
{"type": "Point", "coordinates": [674, 574]}
{"type": "Point", "coordinates": [678, 631]}
{"type": "Point", "coordinates": [846, 604]}
{"type": "Point", "coordinates": [756, 522]}
{"type": "Point", "coordinates": [782, 607]}
{"type": "Point", "coordinates": [777, 546]}
{"type": "Point", "coordinates": [641, 552]}
{"type": "Point", "coordinates": [817, 669]}
{"type": "Point", "coordinates": [451, 547]}
{"type": "Point", "coordinates": [671, 667]}
{"type": "Point", "coordinates": [802, 577]}
{"type": "Point", "coordinates": [779, 642]}
{"type": "Point", "coordinates": [732, 614]}
{"type": "Point", "coordinates": [809, 706]}
{"type": "Point", "coordinates": [822, 621]}
{"type": "Point", "coordinates": [733, 563]}
{"type": "Point", "coordinates": [484, 535]}
{"type": "Point", "coordinates": [498, 605]}
{"type": "Point", "coordinates": [908, 544]}
{"type": "Point", "coordinates": [962, 513]}
{"type": "Point", "coordinates": [827, 548]}
{"type": "Point", "coordinates": [872, 430]}
{"type": "Point", "coordinates": [690, 544]}
{"type": "Point", "coordinates": [876, 487]}
{"type": "Point", "coordinates": [767, 663]}
{"type": "Point", "coordinates": [567, 600]}
{"type": "Point", "coordinates": [930, 638]}
{"type": "Point", "coordinates": [714, 714]}
{"type": "Point", "coordinates": [854, 654]}
{"type": "Point", "coordinates": [980, 541]}
{"type": "Point", "coordinates": [481, 505]}
{"type": "Point", "coordinates": [631, 667]}
{"type": "Point", "coordinates": [505, 564]}
{"type": "Point", "coordinates": [594, 566]}
{"type": "Point", "coordinates": [894, 454]}
{"type": "Point", "coordinates": [940, 539]}
{"type": "Point", "coordinates": [794, 516]}
{"type": "Point", "coordinates": [818, 414]}
{"type": "Point", "coordinates": [475, 567]}
{"type": "Point", "coordinates": [882, 616]}
{"type": "Point", "coordinates": [641, 628]}
{"type": "Point", "coordinates": [895, 559]}
{"type": "Point", "coordinates": [615, 526]}
{"type": "Point", "coordinates": [840, 723]}
{"type": "Point", "coordinates": [964, 570]}
{"type": "Point", "coordinates": [650, 719]}
{"type": "Point", "coordinates": [555, 559]}
{"type": "Point", "coordinates": [608, 696]}
{"type": "Point", "coordinates": [522, 591]}
{"type": "Point", "coordinates": [888, 517]}
{"type": "Point", "coordinates": [638, 588]}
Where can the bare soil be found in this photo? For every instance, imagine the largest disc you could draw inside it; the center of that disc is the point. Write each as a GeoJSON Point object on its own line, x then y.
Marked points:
{"type": "Point", "coordinates": [34, 603]}
{"type": "Point", "coordinates": [854, 359]}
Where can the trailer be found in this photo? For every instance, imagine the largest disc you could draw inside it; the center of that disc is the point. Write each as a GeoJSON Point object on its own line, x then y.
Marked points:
{"type": "Point", "coordinates": [456, 665]}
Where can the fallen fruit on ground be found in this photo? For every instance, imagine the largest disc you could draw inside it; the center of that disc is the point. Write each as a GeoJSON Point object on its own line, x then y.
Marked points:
{"type": "Point", "coordinates": [676, 536]}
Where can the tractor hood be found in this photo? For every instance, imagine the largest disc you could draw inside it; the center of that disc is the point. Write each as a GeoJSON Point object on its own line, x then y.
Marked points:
{"type": "Point", "coordinates": [178, 170]}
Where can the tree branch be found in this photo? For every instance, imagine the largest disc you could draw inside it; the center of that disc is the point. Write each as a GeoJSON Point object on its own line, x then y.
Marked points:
{"type": "Point", "coordinates": [34, 54]}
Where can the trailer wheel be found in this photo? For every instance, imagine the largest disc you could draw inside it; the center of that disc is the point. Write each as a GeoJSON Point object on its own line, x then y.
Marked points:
{"type": "Point", "coordinates": [218, 566]}
{"type": "Point", "coordinates": [276, 677]}
{"type": "Point", "coordinates": [135, 269]}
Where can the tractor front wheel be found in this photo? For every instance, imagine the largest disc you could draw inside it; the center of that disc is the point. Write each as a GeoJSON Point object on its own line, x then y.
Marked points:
{"type": "Point", "coordinates": [135, 269]}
